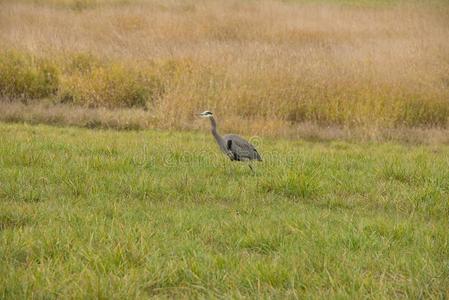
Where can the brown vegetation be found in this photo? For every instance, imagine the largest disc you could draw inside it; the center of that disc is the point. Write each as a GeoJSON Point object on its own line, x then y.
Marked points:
{"type": "Point", "coordinates": [263, 67]}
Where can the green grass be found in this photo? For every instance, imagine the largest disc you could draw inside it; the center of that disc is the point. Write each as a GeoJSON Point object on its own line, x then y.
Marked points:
{"type": "Point", "coordinates": [107, 214]}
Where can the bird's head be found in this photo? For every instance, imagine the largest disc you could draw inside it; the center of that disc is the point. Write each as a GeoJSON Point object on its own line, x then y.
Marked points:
{"type": "Point", "coordinates": [206, 114]}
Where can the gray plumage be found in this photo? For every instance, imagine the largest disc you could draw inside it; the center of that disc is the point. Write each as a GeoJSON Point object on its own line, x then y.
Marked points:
{"type": "Point", "coordinates": [234, 146]}
{"type": "Point", "coordinates": [239, 149]}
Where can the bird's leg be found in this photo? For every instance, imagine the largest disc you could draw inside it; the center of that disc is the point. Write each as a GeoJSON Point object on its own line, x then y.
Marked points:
{"type": "Point", "coordinates": [251, 167]}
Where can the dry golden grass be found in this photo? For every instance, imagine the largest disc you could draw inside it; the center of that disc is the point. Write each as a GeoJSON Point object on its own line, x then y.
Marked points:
{"type": "Point", "coordinates": [263, 67]}
{"type": "Point", "coordinates": [137, 119]}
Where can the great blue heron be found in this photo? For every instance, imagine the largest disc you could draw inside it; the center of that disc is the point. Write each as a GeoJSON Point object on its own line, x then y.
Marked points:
{"type": "Point", "coordinates": [235, 147]}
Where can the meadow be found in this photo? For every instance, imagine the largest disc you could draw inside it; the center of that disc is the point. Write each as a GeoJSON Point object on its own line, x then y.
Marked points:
{"type": "Point", "coordinates": [112, 188]}
{"type": "Point", "coordinates": [136, 214]}
{"type": "Point", "coordinates": [269, 68]}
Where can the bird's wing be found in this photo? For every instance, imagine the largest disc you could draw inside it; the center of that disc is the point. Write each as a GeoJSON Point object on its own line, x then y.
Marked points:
{"type": "Point", "coordinates": [240, 148]}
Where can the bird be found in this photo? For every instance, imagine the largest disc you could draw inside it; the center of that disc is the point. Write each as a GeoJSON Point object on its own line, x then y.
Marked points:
{"type": "Point", "coordinates": [234, 146]}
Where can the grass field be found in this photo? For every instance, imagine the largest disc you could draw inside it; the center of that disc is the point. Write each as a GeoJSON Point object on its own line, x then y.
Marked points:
{"type": "Point", "coordinates": [107, 214]}
{"type": "Point", "coordinates": [343, 63]}
{"type": "Point", "coordinates": [337, 209]}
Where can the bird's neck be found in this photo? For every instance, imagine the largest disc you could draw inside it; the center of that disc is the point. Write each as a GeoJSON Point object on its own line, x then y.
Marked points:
{"type": "Point", "coordinates": [217, 137]}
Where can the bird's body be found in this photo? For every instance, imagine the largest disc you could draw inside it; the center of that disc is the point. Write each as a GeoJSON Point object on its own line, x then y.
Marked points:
{"type": "Point", "coordinates": [239, 149]}
{"type": "Point", "coordinates": [234, 146]}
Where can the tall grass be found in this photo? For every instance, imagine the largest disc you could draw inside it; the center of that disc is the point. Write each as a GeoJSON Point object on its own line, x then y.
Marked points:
{"type": "Point", "coordinates": [27, 78]}
{"type": "Point", "coordinates": [111, 85]}
{"type": "Point", "coordinates": [274, 63]}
